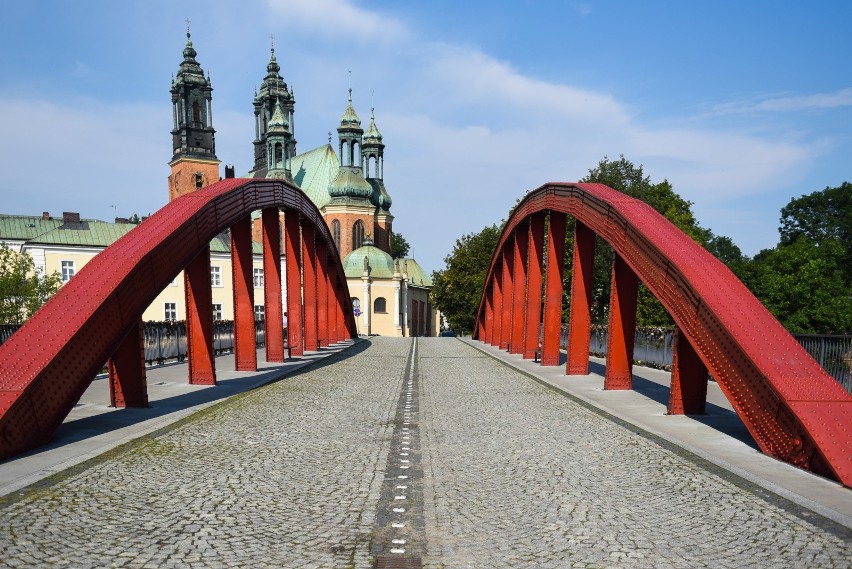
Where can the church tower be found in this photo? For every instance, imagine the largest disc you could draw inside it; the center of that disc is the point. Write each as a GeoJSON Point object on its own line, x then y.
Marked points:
{"type": "Point", "coordinates": [194, 163]}
{"type": "Point", "coordinates": [349, 213]}
{"type": "Point", "coordinates": [273, 91]}
{"type": "Point", "coordinates": [373, 162]}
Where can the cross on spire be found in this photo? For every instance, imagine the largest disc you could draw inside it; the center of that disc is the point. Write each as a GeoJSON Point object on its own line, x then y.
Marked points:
{"type": "Point", "coordinates": [272, 41]}
{"type": "Point", "coordinates": [187, 27]}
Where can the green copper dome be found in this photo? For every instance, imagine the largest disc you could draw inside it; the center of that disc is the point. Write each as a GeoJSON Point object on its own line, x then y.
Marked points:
{"type": "Point", "coordinates": [350, 183]}
{"type": "Point", "coordinates": [380, 197]}
{"type": "Point", "coordinates": [380, 263]}
{"type": "Point", "coordinates": [349, 119]}
{"type": "Point", "coordinates": [372, 136]}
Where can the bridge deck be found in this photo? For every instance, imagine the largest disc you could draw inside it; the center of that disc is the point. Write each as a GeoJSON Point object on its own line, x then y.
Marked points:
{"type": "Point", "coordinates": [434, 443]}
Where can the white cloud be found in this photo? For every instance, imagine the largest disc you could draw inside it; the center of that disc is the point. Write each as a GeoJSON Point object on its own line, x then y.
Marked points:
{"type": "Point", "coordinates": [338, 18]}
{"type": "Point", "coordinates": [837, 99]}
{"type": "Point", "coordinates": [474, 77]}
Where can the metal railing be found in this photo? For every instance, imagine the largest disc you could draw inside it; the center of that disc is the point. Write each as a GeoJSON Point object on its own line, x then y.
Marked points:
{"type": "Point", "coordinates": [166, 341]}
{"type": "Point", "coordinates": [653, 348]}
{"type": "Point", "coordinates": [833, 353]}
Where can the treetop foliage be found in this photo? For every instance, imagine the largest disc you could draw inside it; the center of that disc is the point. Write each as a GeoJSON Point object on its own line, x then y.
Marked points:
{"type": "Point", "coordinates": [399, 246]}
{"type": "Point", "coordinates": [22, 289]}
{"type": "Point", "coordinates": [458, 287]}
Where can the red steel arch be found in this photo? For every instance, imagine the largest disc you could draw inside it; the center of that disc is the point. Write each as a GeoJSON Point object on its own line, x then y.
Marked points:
{"type": "Point", "coordinates": [47, 365]}
{"type": "Point", "coordinates": [794, 410]}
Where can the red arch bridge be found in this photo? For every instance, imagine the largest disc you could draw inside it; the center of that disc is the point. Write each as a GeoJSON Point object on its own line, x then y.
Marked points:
{"type": "Point", "coordinates": [795, 411]}
{"type": "Point", "coordinates": [96, 317]}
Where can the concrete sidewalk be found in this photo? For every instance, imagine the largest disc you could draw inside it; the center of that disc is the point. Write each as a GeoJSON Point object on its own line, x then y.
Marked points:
{"type": "Point", "coordinates": [93, 427]}
{"type": "Point", "coordinates": [719, 437]}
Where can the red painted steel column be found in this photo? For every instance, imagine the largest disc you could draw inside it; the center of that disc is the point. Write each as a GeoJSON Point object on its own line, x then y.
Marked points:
{"type": "Point", "coordinates": [622, 326]}
{"type": "Point", "coordinates": [309, 282]}
{"type": "Point", "coordinates": [535, 260]}
{"type": "Point", "coordinates": [580, 320]}
{"type": "Point", "coordinates": [330, 299]}
{"type": "Point", "coordinates": [553, 289]}
{"type": "Point", "coordinates": [688, 394]}
{"type": "Point", "coordinates": [342, 309]}
{"type": "Point", "coordinates": [127, 379]}
{"type": "Point", "coordinates": [489, 314]}
{"type": "Point", "coordinates": [322, 295]}
{"type": "Point", "coordinates": [519, 289]}
{"type": "Point", "coordinates": [293, 246]}
{"type": "Point", "coordinates": [245, 340]}
{"type": "Point", "coordinates": [273, 325]}
{"type": "Point", "coordinates": [498, 306]}
{"type": "Point", "coordinates": [508, 296]}
{"type": "Point", "coordinates": [199, 320]}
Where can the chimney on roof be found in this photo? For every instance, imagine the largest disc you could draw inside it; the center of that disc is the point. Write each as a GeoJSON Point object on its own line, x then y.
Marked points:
{"type": "Point", "coordinates": [229, 171]}
{"type": "Point", "coordinates": [45, 215]}
{"type": "Point", "coordinates": [70, 217]}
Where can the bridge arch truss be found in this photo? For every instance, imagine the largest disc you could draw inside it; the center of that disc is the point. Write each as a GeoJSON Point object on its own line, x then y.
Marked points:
{"type": "Point", "coordinates": [793, 409]}
{"type": "Point", "coordinates": [96, 317]}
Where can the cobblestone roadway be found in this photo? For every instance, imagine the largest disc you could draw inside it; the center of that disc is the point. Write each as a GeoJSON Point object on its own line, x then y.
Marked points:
{"type": "Point", "coordinates": [288, 475]}
{"type": "Point", "coordinates": [517, 475]}
{"type": "Point", "coordinates": [514, 475]}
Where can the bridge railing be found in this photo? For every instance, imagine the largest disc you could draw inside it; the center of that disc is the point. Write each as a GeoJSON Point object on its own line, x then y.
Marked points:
{"type": "Point", "coordinates": [654, 347]}
{"type": "Point", "coordinates": [166, 341]}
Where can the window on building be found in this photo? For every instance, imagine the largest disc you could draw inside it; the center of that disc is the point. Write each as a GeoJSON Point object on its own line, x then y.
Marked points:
{"type": "Point", "coordinates": [357, 234]}
{"type": "Point", "coordinates": [380, 306]}
{"type": "Point", "coordinates": [170, 312]}
{"type": "Point", "coordinates": [199, 180]}
{"type": "Point", "coordinates": [69, 269]}
{"type": "Point", "coordinates": [335, 233]}
{"type": "Point", "coordinates": [259, 312]}
{"type": "Point", "coordinates": [217, 312]}
{"type": "Point", "coordinates": [196, 114]}
{"type": "Point", "coordinates": [215, 276]}
{"type": "Point", "coordinates": [258, 278]}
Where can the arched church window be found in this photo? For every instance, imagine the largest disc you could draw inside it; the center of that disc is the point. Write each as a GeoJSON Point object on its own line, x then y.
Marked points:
{"type": "Point", "coordinates": [380, 306]}
{"type": "Point", "coordinates": [357, 234]}
{"type": "Point", "coordinates": [335, 233]}
{"type": "Point", "coordinates": [196, 113]}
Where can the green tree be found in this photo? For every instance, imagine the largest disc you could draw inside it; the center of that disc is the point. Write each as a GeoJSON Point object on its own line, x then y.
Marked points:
{"type": "Point", "coordinates": [802, 284]}
{"type": "Point", "coordinates": [458, 287]}
{"type": "Point", "coordinates": [806, 280]}
{"type": "Point", "coordinates": [399, 246]}
{"type": "Point", "coordinates": [22, 289]}
{"type": "Point", "coordinates": [821, 217]}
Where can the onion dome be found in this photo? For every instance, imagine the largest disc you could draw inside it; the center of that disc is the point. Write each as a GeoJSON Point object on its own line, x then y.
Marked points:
{"type": "Point", "coordinates": [349, 119]}
{"type": "Point", "coordinates": [380, 263]}
{"type": "Point", "coordinates": [380, 197]}
{"type": "Point", "coordinates": [372, 136]}
{"type": "Point", "coordinates": [190, 71]}
{"type": "Point", "coordinates": [273, 85]}
{"type": "Point", "coordinates": [350, 183]}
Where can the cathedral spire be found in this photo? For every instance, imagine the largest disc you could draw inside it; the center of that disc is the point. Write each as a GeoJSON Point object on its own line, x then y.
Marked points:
{"type": "Point", "coordinates": [192, 127]}
{"type": "Point", "coordinates": [194, 163]}
{"type": "Point", "coordinates": [272, 90]}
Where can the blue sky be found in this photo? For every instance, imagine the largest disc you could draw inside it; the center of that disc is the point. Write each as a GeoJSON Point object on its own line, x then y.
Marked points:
{"type": "Point", "coordinates": [740, 105]}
